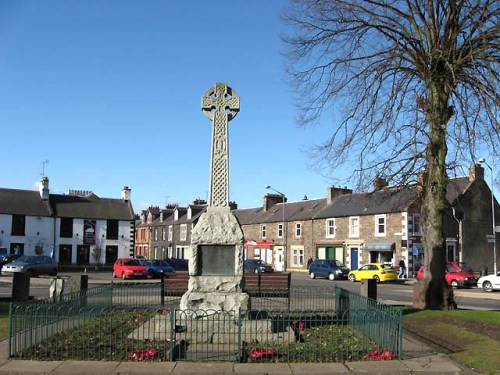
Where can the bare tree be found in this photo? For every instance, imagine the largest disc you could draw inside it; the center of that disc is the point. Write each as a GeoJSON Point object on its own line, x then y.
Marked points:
{"type": "Point", "coordinates": [415, 86]}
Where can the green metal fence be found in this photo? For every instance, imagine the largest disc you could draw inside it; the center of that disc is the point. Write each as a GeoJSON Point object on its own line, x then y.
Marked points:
{"type": "Point", "coordinates": [345, 327]}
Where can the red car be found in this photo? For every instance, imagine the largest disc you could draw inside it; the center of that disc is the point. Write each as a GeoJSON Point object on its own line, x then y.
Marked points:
{"type": "Point", "coordinates": [454, 276]}
{"type": "Point", "coordinates": [129, 267]}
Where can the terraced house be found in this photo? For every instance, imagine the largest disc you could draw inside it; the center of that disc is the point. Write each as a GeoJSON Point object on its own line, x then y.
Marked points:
{"type": "Point", "coordinates": [378, 226]}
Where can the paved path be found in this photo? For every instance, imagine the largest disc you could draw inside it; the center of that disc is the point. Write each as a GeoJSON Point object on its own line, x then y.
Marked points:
{"type": "Point", "coordinates": [417, 359]}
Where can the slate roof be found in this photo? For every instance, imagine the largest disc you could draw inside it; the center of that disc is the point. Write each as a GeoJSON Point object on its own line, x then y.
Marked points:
{"type": "Point", "coordinates": [378, 202]}
{"type": "Point", "coordinates": [246, 216]}
{"type": "Point", "coordinates": [91, 207]}
{"type": "Point", "coordinates": [23, 202]}
{"type": "Point", "coordinates": [456, 187]}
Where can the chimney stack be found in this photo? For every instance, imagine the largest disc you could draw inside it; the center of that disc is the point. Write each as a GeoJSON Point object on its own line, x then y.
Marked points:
{"type": "Point", "coordinates": [379, 183]}
{"type": "Point", "coordinates": [476, 172]}
{"type": "Point", "coordinates": [126, 193]}
{"type": "Point", "coordinates": [44, 188]}
{"type": "Point", "coordinates": [271, 199]}
{"type": "Point", "coordinates": [333, 192]}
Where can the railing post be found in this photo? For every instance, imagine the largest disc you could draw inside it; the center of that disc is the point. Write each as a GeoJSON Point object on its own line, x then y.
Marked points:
{"type": "Point", "coordinates": [162, 289]}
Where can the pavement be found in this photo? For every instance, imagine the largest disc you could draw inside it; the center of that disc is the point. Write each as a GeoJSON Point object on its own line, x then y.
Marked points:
{"type": "Point", "coordinates": [417, 359]}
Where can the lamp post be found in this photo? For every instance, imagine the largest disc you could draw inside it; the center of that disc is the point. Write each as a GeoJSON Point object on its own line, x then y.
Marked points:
{"type": "Point", "coordinates": [483, 161]}
{"type": "Point", "coordinates": [284, 226]}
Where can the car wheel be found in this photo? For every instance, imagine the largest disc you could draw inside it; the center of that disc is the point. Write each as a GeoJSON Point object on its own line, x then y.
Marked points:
{"type": "Point", "coordinates": [487, 287]}
{"type": "Point", "coordinates": [376, 278]}
{"type": "Point", "coordinates": [114, 275]}
{"type": "Point", "coordinates": [352, 278]}
{"type": "Point", "coordinates": [30, 273]}
{"type": "Point", "coordinates": [312, 275]}
{"type": "Point", "coordinates": [454, 283]}
{"type": "Point", "coordinates": [53, 272]}
{"type": "Point", "coordinates": [331, 276]}
{"type": "Point", "coordinates": [123, 276]}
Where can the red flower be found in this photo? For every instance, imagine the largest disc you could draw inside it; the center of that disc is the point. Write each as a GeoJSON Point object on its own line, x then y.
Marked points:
{"type": "Point", "coordinates": [259, 353]}
{"type": "Point", "coordinates": [301, 325]}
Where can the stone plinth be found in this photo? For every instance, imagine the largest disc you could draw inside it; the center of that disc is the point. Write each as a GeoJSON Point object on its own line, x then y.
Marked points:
{"type": "Point", "coordinates": [215, 281]}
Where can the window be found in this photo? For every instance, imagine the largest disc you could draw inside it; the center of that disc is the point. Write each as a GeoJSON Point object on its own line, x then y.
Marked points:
{"type": "Point", "coordinates": [183, 234]}
{"type": "Point", "coordinates": [416, 224]}
{"type": "Point", "coordinates": [18, 225]}
{"type": "Point", "coordinates": [263, 231]}
{"type": "Point", "coordinates": [156, 234]}
{"type": "Point", "coordinates": [66, 228]}
{"type": "Point", "coordinates": [380, 225]}
{"type": "Point", "coordinates": [297, 257]}
{"type": "Point", "coordinates": [163, 234]}
{"type": "Point", "coordinates": [112, 229]}
{"type": "Point", "coordinates": [298, 230]}
{"type": "Point", "coordinates": [330, 228]}
{"type": "Point", "coordinates": [280, 230]}
{"type": "Point", "coordinates": [354, 226]}
{"type": "Point", "coordinates": [179, 252]}
{"type": "Point", "coordinates": [170, 232]}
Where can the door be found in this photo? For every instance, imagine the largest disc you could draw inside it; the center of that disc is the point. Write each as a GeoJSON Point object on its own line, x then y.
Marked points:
{"type": "Point", "coordinates": [82, 254]}
{"type": "Point", "coordinates": [278, 261]}
{"type": "Point", "coordinates": [111, 254]}
{"type": "Point", "coordinates": [354, 258]}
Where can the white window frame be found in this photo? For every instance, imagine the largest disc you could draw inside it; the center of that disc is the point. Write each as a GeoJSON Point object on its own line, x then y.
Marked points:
{"type": "Point", "coordinates": [163, 233]}
{"type": "Point", "coordinates": [416, 219]}
{"type": "Point", "coordinates": [379, 224]}
{"type": "Point", "coordinates": [330, 228]}
{"type": "Point", "coordinates": [263, 231]}
{"type": "Point", "coordinates": [297, 256]}
{"type": "Point", "coordinates": [170, 232]}
{"type": "Point", "coordinates": [156, 234]}
{"type": "Point", "coordinates": [183, 232]}
{"type": "Point", "coordinates": [353, 229]}
{"type": "Point", "coordinates": [279, 230]}
{"type": "Point", "coordinates": [298, 229]}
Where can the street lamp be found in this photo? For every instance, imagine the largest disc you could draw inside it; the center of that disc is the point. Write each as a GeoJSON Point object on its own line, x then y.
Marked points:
{"type": "Point", "coordinates": [284, 226]}
{"type": "Point", "coordinates": [483, 161]}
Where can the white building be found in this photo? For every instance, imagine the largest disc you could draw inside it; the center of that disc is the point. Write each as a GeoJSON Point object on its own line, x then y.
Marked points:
{"type": "Point", "coordinates": [77, 228]}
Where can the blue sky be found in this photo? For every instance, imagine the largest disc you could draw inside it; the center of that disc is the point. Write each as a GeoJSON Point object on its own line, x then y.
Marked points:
{"type": "Point", "coordinates": [109, 92]}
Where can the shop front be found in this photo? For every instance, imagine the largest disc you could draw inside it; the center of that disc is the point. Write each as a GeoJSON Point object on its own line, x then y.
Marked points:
{"type": "Point", "coordinates": [380, 252]}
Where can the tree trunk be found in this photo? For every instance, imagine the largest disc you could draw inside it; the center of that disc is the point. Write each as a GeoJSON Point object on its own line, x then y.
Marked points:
{"type": "Point", "coordinates": [432, 292]}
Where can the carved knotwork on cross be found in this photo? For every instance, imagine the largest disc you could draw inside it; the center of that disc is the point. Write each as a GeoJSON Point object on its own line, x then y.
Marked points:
{"type": "Point", "coordinates": [220, 104]}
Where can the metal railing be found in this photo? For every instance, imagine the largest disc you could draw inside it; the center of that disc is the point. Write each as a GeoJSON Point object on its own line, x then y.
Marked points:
{"type": "Point", "coordinates": [324, 325]}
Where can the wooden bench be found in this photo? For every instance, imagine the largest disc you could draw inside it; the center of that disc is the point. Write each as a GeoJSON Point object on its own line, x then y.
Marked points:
{"type": "Point", "coordinates": [259, 285]}
{"type": "Point", "coordinates": [175, 284]}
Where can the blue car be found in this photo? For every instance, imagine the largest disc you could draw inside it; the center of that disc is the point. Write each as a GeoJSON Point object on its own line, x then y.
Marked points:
{"type": "Point", "coordinates": [156, 267]}
{"type": "Point", "coordinates": [328, 268]}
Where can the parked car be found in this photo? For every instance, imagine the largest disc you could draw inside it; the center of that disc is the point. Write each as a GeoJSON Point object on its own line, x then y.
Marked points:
{"type": "Point", "coordinates": [32, 265]}
{"type": "Point", "coordinates": [178, 264]}
{"type": "Point", "coordinates": [489, 283]}
{"type": "Point", "coordinates": [157, 267]}
{"type": "Point", "coordinates": [460, 266]}
{"type": "Point", "coordinates": [328, 268]}
{"type": "Point", "coordinates": [8, 258]}
{"type": "Point", "coordinates": [129, 267]}
{"type": "Point", "coordinates": [257, 265]}
{"type": "Point", "coordinates": [454, 276]}
{"type": "Point", "coordinates": [377, 271]}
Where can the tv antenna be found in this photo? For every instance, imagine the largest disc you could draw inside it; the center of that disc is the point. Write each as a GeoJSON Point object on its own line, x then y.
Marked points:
{"type": "Point", "coordinates": [46, 161]}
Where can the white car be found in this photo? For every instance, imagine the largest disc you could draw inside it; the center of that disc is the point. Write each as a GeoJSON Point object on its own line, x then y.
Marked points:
{"type": "Point", "coordinates": [489, 283]}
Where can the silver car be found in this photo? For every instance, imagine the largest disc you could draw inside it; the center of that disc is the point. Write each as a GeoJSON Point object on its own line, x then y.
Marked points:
{"type": "Point", "coordinates": [32, 265]}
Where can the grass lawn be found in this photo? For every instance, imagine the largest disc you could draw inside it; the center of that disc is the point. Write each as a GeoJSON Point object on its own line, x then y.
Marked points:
{"type": "Point", "coordinates": [469, 337]}
{"type": "Point", "coordinates": [4, 320]}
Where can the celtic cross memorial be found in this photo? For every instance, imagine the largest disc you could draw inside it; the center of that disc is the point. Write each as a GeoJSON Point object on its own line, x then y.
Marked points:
{"type": "Point", "coordinates": [220, 104]}
{"type": "Point", "coordinates": [216, 250]}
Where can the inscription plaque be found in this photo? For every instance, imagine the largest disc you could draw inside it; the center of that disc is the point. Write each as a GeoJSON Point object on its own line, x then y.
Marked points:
{"type": "Point", "coordinates": [216, 260]}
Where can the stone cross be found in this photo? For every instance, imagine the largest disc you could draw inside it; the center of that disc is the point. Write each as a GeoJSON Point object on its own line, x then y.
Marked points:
{"type": "Point", "coordinates": [220, 104]}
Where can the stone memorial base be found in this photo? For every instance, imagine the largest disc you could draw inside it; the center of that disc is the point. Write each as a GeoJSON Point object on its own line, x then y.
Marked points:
{"type": "Point", "coordinates": [216, 264]}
